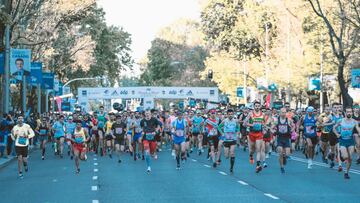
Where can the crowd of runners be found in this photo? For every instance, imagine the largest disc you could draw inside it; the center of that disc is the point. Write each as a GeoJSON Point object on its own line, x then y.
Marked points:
{"type": "Point", "coordinates": [333, 134]}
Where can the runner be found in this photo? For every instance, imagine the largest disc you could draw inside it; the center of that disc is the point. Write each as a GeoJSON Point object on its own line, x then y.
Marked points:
{"type": "Point", "coordinates": [179, 128]}
{"type": "Point", "coordinates": [130, 131]}
{"type": "Point", "coordinates": [326, 124]}
{"type": "Point", "coordinates": [211, 124]}
{"type": "Point", "coordinates": [79, 140]}
{"type": "Point", "coordinates": [150, 126]}
{"type": "Point", "coordinates": [43, 136]}
{"type": "Point", "coordinates": [243, 131]}
{"type": "Point", "coordinates": [70, 128]}
{"type": "Point", "coordinates": [197, 129]}
{"type": "Point", "coordinates": [21, 133]}
{"type": "Point", "coordinates": [356, 116]}
{"type": "Point", "coordinates": [256, 122]}
{"type": "Point", "coordinates": [309, 123]}
{"type": "Point", "coordinates": [337, 116]}
{"type": "Point", "coordinates": [282, 127]}
{"type": "Point", "coordinates": [108, 136]}
{"type": "Point", "coordinates": [118, 131]}
{"type": "Point", "coordinates": [346, 138]}
{"type": "Point", "coordinates": [230, 130]}
{"type": "Point", "coordinates": [101, 118]}
{"type": "Point", "coordinates": [59, 135]}
{"type": "Point", "coordinates": [267, 135]}
{"type": "Point", "coordinates": [137, 136]}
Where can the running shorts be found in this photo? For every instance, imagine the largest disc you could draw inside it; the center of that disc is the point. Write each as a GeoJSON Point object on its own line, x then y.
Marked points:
{"type": "Point", "coordinates": [229, 143]}
{"type": "Point", "coordinates": [253, 136]}
{"type": "Point", "coordinates": [213, 141]}
{"type": "Point", "coordinates": [346, 143]}
{"type": "Point", "coordinates": [22, 151]}
{"type": "Point", "coordinates": [283, 142]}
{"type": "Point", "coordinates": [178, 140]}
{"type": "Point", "coordinates": [150, 145]}
{"type": "Point", "coordinates": [137, 136]}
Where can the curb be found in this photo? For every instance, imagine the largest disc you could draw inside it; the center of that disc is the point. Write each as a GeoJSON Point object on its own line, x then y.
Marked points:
{"type": "Point", "coordinates": [12, 159]}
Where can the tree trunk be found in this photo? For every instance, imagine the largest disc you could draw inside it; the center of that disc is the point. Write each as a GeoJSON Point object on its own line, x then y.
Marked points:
{"type": "Point", "coordinates": [346, 98]}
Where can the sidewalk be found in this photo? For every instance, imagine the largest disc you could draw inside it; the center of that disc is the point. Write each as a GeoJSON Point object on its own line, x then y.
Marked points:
{"type": "Point", "coordinates": [6, 161]}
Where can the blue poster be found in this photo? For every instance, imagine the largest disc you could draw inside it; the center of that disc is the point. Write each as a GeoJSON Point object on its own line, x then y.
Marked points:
{"type": "Point", "coordinates": [355, 78]}
{"type": "Point", "coordinates": [2, 63]}
{"type": "Point", "coordinates": [314, 83]}
{"type": "Point", "coordinates": [35, 73]}
{"type": "Point", "coordinates": [48, 81]}
{"type": "Point", "coordinates": [20, 60]}
{"type": "Point", "coordinates": [60, 92]}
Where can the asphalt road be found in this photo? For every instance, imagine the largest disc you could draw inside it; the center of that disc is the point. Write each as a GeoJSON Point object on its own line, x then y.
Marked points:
{"type": "Point", "coordinates": [104, 180]}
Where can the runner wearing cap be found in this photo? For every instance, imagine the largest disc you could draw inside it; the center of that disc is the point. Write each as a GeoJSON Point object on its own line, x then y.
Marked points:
{"type": "Point", "coordinates": [179, 129]}
{"type": "Point", "coordinates": [309, 123]}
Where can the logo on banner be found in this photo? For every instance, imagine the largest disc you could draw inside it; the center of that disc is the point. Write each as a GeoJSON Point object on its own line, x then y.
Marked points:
{"type": "Point", "coordinates": [84, 93]}
{"type": "Point", "coordinates": [212, 92]}
{"type": "Point", "coordinates": [106, 92]}
{"type": "Point", "coordinates": [124, 92]}
{"type": "Point", "coordinates": [114, 93]}
{"type": "Point", "coordinates": [189, 93]}
{"type": "Point", "coordinates": [133, 92]}
{"type": "Point", "coordinates": [173, 92]}
{"type": "Point", "coordinates": [163, 92]}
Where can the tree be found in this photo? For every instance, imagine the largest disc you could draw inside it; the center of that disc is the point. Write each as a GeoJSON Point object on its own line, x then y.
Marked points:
{"type": "Point", "coordinates": [343, 28]}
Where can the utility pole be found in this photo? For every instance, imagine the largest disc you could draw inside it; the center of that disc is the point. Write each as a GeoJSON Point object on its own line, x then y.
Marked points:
{"type": "Point", "coordinates": [7, 62]}
{"type": "Point", "coordinates": [321, 75]}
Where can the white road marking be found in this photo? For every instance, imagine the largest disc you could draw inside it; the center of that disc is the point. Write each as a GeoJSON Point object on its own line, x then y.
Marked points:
{"type": "Point", "coordinates": [95, 155]}
{"type": "Point", "coordinates": [94, 188]}
{"type": "Point", "coordinates": [96, 170]}
{"type": "Point", "coordinates": [271, 196]}
{"type": "Point", "coordinates": [194, 160]}
{"type": "Point", "coordinates": [222, 173]}
{"type": "Point", "coordinates": [95, 201]}
{"type": "Point", "coordinates": [95, 177]}
{"type": "Point", "coordinates": [55, 180]}
{"type": "Point", "coordinates": [293, 158]}
{"type": "Point", "coordinates": [95, 164]}
{"type": "Point", "coordinates": [242, 182]}
{"type": "Point", "coordinates": [207, 166]}
{"type": "Point", "coordinates": [95, 159]}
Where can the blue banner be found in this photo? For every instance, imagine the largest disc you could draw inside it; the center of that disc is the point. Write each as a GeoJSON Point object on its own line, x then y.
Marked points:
{"type": "Point", "coordinates": [355, 78]}
{"type": "Point", "coordinates": [240, 92]}
{"type": "Point", "coordinates": [48, 81]}
{"type": "Point", "coordinates": [314, 83]}
{"type": "Point", "coordinates": [2, 63]}
{"type": "Point", "coordinates": [35, 73]}
{"type": "Point", "coordinates": [60, 92]}
{"type": "Point", "coordinates": [20, 60]}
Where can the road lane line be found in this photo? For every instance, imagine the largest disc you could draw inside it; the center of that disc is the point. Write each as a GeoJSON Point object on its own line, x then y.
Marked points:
{"type": "Point", "coordinates": [95, 201]}
{"type": "Point", "coordinates": [207, 166]}
{"type": "Point", "coordinates": [54, 180]}
{"type": "Point", "coordinates": [271, 196]}
{"type": "Point", "coordinates": [293, 158]}
{"type": "Point", "coordinates": [95, 164]}
{"type": "Point", "coordinates": [194, 160]}
{"type": "Point", "coordinates": [222, 173]}
{"type": "Point", "coordinates": [96, 170]}
{"type": "Point", "coordinates": [242, 182]}
{"type": "Point", "coordinates": [94, 188]}
{"type": "Point", "coordinates": [95, 159]}
{"type": "Point", "coordinates": [95, 177]}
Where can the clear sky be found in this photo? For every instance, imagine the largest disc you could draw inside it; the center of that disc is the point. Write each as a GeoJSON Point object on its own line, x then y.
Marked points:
{"type": "Point", "coordinates": [144, 18]}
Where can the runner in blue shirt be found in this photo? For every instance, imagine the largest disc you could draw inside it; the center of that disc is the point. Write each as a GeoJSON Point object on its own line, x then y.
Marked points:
{"type": "Point", "coordinates": [59, 135]}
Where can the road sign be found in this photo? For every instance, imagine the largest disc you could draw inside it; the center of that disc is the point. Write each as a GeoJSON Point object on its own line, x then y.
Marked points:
{"type": "Point", "coordinates": [240, 92]}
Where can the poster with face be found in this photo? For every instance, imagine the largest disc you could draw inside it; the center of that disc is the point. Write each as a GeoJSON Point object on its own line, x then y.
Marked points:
{"type": "Point", "coordinates": [355, 78]}
{"type": "Point", "coordinates": [20, 62]}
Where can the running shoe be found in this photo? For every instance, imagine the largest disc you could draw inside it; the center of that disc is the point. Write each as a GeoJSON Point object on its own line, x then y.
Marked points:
{"type": "Point", "coordinates": [358, 161]}
{"type": "Point", "coordinates": [251, 160]}
{"type": "Point", "coordinates": [42, 157]}
{"type": "Point", "coordinates": [258, 169]}
{"type": "Point", "coordinates": [148, 169]}
{"type": "Point", "coordinates": [346, 176]}
{"type": "Point", "coordinates": [231, 171]}
{"type": "Point", "coordinates": [340, 169]}
{"type": "Point", "coordinates": [332, 164]}
{"type": "Point", "coordinates": [119, 161]}
{"type": "Point", "coordinates": [178, 167]}
{"type": "Point", "coordinates": [78, 171]}
{"type": "Point", "coordinates": [282, 170]}
{"type": "Point", "coordinates": [21, 176]}
{"type": "Point", "coordinates": [265, 165]}
{"type": "Point", "coordinates": [214, 165]}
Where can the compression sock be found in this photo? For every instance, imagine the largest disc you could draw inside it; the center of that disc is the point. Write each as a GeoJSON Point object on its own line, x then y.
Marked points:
{"type": "Point", "coordinates": [232, 161]}
{"type": "Point", "coordinates": [147, 158]}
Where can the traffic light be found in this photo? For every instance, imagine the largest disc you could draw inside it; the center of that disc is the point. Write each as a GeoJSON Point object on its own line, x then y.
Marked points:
{"type": "Point", "coordinates": [210, 74]}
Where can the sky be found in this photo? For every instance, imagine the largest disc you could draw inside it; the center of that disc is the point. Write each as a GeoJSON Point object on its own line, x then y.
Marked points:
{"type": "Point", "coordinates": [144, 18]}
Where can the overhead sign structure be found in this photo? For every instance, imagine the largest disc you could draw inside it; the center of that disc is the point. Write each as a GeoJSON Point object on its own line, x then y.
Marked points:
{"type": "Point", "coordinates": [148, 93]}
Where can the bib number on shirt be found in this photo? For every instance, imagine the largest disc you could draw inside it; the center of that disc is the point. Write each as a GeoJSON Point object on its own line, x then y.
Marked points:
{"type": "Point", "coordinates": [213, 132]}
{"type": "Point", "coordinates": [22, 140]}
{"type": "Point", "coordinates": [79, 140]}
{"type": "Point", "coordinates": [179, 133]}
{"type": "Point", "coordinates": [310, 129]}
{"type": "Point", "coordinates": [149, 136]}
{"type": "Point", "coordinates": [43, 132]}
{"type": "Point", "coordinates": [118, 131]}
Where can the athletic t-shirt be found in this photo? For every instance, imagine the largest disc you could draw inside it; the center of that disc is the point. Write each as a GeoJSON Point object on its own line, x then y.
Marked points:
{"type": "Point", "coordinates": [118, 129]}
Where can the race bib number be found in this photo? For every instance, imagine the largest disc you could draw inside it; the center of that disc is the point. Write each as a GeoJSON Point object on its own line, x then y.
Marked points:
{"type": "Point", "coordinates": [257, 127]}
{"type": "Point", "coordinates": [179, 133]}
{"type": "Point", "coordinates": [118, 130]}
{"type": "Point", "coordinates": [22, 140]}
{"type": "Point", "coordinates": [79, 139]}
{"type": "Point", "coordinates": [149, 136]}
{"type": "Point", "coordinates": [213, 132]}
{"type": "Point", "coordinates": [43, 132]}
{"type": "Point", "coordinates": [283, 129]}
{"type": "Point", "coordinates": [229, 136]}
{"type": "Point", "coordinates": [310, 129]}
